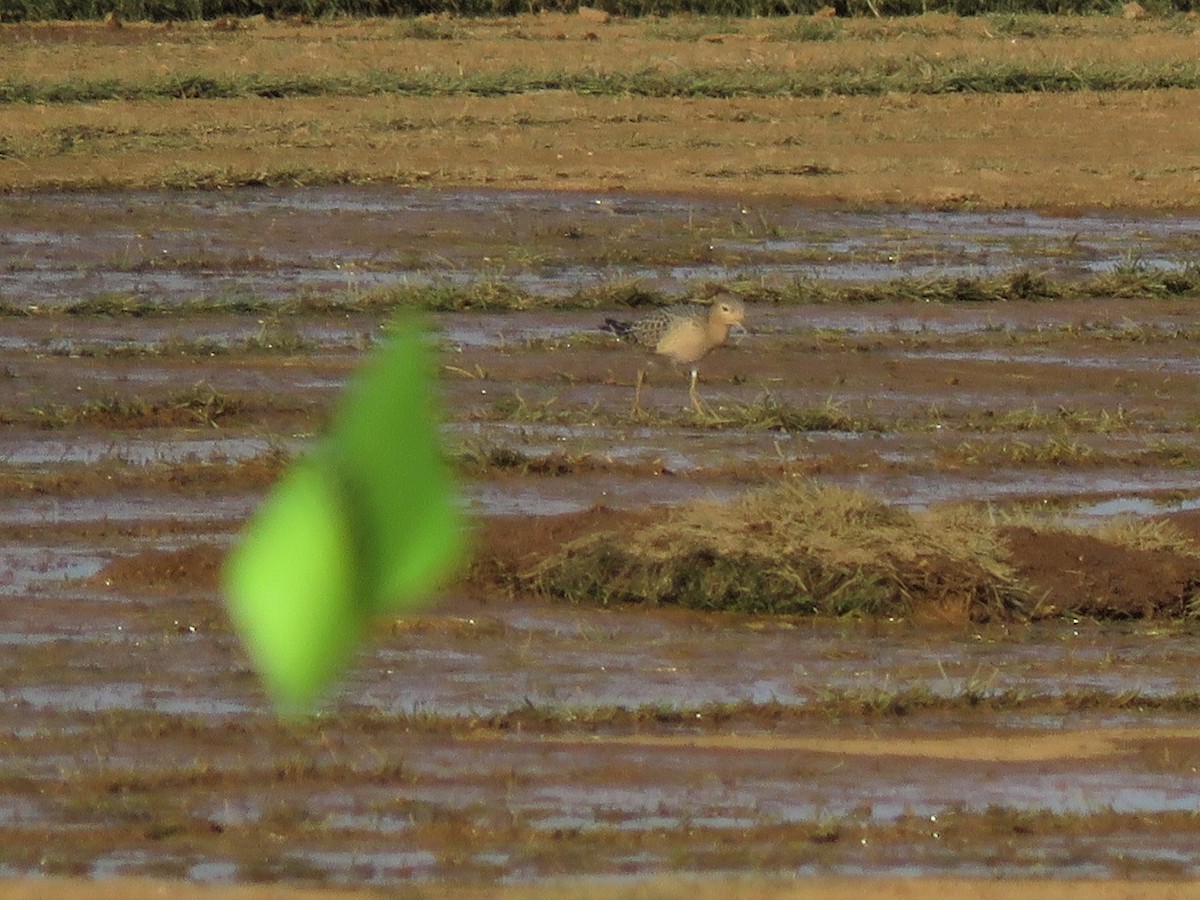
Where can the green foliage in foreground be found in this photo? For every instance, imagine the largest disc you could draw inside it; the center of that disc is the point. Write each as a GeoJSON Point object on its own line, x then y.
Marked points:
{"type": "Point", "coordinates": [23, 10]}
{"type": "Point", "coordinates": [364, 526]}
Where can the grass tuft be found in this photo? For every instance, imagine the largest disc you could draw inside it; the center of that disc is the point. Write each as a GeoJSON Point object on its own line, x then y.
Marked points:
{"type": "Point", "coordinates": [198, 405]}
{"type": "Point", "coordinates": [797, 549]}
{"type": "Point", "coordinates": [768, 414]}
{"type": "Point", "coordinates": [1056, 450]}
{"type": "Point", "coordinates": [479, 458]}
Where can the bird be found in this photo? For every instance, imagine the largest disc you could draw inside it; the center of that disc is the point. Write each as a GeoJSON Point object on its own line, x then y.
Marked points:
{"type": "Point", "coordinates": [683, 332]}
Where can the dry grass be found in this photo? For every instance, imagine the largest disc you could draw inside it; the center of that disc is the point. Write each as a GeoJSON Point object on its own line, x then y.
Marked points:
{"type": "Point", "coordinates": [264, 57]}
{"type": "Point", "coordinates": [198, 405]}
{"type": "Point", "coordinates": [799, 548]}
{"type": "Point", "coordinates": [113, 476]}
{"type": "Point", "coordinates": [556, 102]}
{"type": "Point", "coordinates": [804, 549]}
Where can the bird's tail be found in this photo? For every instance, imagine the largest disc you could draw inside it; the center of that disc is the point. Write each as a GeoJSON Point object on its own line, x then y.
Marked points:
{"type": "Point", "coordinates": [620, 329]}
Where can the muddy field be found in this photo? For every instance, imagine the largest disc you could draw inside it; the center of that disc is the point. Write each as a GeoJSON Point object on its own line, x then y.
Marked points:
{"type": "Point", "coordinates": [164, 353]}
{"type": "Point", "coordinates": [506, 737]}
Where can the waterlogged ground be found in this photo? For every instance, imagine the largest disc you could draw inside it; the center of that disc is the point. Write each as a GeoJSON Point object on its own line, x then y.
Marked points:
{"type": "Point", "coordinates": [500, 738]}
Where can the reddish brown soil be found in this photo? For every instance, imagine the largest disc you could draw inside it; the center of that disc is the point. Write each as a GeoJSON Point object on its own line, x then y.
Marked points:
{"type": "Point", "coordinates": [198, 567]}
{"type": "Point", "coordinates": [1080, 573]}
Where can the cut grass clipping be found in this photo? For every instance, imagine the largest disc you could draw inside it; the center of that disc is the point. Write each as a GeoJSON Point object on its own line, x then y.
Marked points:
{"type": "Point", "coordinates": [365, 526]}
{"type": "Point", "coordinates": [798, 549]}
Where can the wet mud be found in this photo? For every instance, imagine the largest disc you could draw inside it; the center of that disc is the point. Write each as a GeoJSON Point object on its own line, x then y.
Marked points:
{"type": "Point", "coordinates": [66, 247]}
{"type": "Point", "coordinates": [500, 737]}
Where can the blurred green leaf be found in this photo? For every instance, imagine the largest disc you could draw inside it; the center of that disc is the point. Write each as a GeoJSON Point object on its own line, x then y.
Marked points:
{"type": "Point", "coordinates": [385, 446]}
{"type": "Point", "coordinates": [366, 525]}
{"type": "Point", "coordinates": [291, 585]}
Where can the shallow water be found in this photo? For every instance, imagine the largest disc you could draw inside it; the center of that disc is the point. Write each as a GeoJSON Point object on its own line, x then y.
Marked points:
{"type": "Point", "coordinates": [131, 714]}
{"type": "Point", "coordinates": [275, 243]}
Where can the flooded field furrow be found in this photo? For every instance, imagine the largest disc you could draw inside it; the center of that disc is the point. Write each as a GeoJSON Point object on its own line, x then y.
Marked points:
{"type": "Point", "coordinates": [266, 241]}
{"type": "Point", "coordinates": [159, 368]}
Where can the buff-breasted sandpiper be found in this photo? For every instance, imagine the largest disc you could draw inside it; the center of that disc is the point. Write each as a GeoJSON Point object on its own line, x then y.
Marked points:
{"type": "Point", "coordinates": [682, 332]}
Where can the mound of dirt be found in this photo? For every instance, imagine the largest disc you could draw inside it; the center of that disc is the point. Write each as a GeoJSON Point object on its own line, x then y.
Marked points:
{"type": "Point", "coordinates": [1062, 572]}
{"type": "Point", "coordinates": [799, 548]}
{"type": "Point", "coordinates": [1082, 574]}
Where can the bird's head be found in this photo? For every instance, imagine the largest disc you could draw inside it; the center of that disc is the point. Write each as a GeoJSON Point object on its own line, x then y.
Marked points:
{"type": "Point", "coordinates": [728, 310]}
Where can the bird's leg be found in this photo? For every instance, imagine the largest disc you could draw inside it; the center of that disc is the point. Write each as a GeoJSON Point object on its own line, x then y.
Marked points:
{"type": "Point", "coordinates": [695, 396]}
{"type": "Point", "coordinates": [637, 392]}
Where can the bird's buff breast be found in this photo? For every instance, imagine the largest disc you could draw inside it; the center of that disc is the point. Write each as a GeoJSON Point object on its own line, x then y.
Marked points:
{"type": "Point", "coordinates": [685, 343]}
{"type": "Point", "coordinates": [690, 342]}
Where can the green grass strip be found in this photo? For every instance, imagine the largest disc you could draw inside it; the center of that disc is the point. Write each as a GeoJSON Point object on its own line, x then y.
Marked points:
{"type": "Point", "coordinates": [1132, 282]}
{"type": "Point", "coordinates": [914, 75]}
